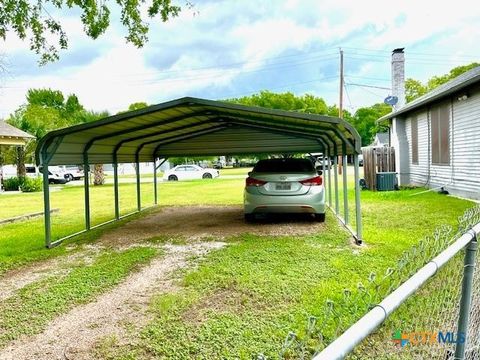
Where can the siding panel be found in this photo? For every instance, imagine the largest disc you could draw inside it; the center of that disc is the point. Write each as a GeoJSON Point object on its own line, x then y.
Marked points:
{"type": "Point", "coordinates": [462, 176]}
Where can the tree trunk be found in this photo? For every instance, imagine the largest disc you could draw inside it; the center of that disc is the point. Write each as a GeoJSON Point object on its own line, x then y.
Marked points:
{"type": "Point", "coordinates": [98, 175]}
{"type": "Point", "coordinates": [21, 172]}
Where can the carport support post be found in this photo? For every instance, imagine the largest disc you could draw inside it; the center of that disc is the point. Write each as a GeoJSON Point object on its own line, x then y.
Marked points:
{"type": "Point", "coordinates": [323, 170]}
{"type": "Point", "coordinates": [137, 165]}
{"type": "Point", "coordinates": [86, 183]}
{"type": "Point", "coordinates": [335, 176]}
{"type": "Point", "coordinates": [155, 197]}
{"type": "Point", "coordinates": [115, 186]}
{"type": "Point", "coordinates": [358, 211]}
{"type": "Point", "coordinates": [329, 179]}
{"type": "Point", "coordinates": [345, 185]}
{"type": "Point", "coordinates": [46, 203]}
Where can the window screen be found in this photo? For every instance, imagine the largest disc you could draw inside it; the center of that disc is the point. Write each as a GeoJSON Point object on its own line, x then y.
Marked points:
{"type": "Point", "coordinates": [440, 134]}
{"type": "Point", "coordinates": [414, 128]}
{"type": "Point", "coordinates": [284, 165]}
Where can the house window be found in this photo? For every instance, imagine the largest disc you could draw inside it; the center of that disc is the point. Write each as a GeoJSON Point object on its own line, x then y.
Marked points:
{"type": "Point", "coordinates": [440, 134]}
{"type": "Point", "coordinates": [414, 126]}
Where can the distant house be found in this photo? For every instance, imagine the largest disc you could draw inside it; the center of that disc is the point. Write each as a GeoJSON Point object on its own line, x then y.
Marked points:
{"type": "Point", "coordinates": [11, 136]}
{"type": "Point", "coordinates": [437, 137]}
{"type": "Point", "coordinates": [381, 139]}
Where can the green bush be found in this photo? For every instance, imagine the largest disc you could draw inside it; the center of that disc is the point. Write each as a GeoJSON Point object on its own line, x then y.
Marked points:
{"type": "Point", "coordinates": [25, 184]}
{"type": "Point", "coordinates": [31, 184]}
{"type": "Point", "coordinates": [12, 184]}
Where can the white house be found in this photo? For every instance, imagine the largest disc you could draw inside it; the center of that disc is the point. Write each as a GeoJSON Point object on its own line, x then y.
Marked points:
{"type": "Point", "coordinates": [381, 139]}
{"type": "Point", "coordinates": [437, 137]}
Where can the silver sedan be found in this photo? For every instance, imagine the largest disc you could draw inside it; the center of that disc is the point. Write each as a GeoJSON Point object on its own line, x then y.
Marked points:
{"type": "Point", "coordinates": [284, 186]}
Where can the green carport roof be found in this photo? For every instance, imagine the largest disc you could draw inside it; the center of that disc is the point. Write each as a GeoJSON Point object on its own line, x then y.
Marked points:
{"type": "Point", "coordinates": [191, 126]}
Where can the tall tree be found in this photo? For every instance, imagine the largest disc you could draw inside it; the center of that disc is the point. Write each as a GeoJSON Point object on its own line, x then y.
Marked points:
{"type": "Point", "coordinates": [415, 88]}
{"type": "Point", "coordinates": [365, 121]}
{"type": "Point", "coordinates": [32, 20]}
{"type": "Point", "coordinates": [46, 110]}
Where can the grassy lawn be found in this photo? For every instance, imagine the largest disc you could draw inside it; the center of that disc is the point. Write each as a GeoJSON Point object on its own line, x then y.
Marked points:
{"type": "Point", "coordinates": [29, 311]}
{"type": "Point", "coordinates": [241, 300]}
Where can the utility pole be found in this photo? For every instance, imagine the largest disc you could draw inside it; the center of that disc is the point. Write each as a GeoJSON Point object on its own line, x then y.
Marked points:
{"type": "Point", "coordinates": [340, 106]}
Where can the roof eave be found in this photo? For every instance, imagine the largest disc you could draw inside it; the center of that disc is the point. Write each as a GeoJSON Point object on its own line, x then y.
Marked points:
{"type": "Point", "coordinates": [429, 99]}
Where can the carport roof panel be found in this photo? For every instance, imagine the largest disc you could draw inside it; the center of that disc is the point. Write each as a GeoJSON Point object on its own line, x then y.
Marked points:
{"type": "Point", "coordinates": [182, 125]}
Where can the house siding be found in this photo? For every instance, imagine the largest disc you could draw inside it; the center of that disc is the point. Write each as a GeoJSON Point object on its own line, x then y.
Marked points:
{"type": "Point", "coordinates": [462, 176]}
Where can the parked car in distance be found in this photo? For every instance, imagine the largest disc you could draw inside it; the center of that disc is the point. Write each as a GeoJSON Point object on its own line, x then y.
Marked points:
{"type": "Point", "coordinates": [55, 176]}
{"type": "Point", "coordinates": [319, 162]}
{"type": "Point", "coordinates": [284, 186]}
{"type": "Point", "coordinates": [189, 172]}
{"type": "Point", "coordinates": [55, 173]}
{"type": "Point", "coordinates": [73, 172]}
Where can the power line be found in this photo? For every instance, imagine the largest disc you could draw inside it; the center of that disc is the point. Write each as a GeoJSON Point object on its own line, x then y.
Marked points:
{"type": "Point", "coordinates": [348, 96]}
{"type": "Point", "coordinates": [278, 87]}
{"type": "Point", "coordinates": [370, 86]}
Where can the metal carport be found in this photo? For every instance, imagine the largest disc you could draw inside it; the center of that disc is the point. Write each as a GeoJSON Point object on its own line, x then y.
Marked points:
{"type": "Point", "coordinates": [193, 127]}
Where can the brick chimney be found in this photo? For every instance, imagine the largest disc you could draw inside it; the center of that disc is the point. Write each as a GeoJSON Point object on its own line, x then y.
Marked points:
{"type": "Point", "coordinates": [398, 77]}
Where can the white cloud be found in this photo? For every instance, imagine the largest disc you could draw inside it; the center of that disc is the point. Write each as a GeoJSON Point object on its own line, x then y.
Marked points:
{"type": "Point", "coordinates": [229, 43]}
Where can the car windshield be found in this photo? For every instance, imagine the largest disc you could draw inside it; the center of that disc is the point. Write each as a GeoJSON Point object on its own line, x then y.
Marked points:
{"type": "Point", "coordinates": [284, 165]}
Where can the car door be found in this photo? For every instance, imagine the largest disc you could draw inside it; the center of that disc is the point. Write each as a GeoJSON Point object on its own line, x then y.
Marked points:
{"type": "Point", "coordinates": [180, 172]}
{"type": "Point", "coordinates": [192, 172]}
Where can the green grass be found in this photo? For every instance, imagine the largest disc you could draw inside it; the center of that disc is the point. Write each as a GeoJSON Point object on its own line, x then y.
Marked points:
{"type": "Point", "coordinates": [245, 299]}
{"type": "Point", "coordinates": [235, 171]}
{"type": "Point", "coordinates": [29, 310]}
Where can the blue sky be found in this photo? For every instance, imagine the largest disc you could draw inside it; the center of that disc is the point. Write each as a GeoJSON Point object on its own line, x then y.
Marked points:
{"type": "Point", "coordinates": [224, 49]}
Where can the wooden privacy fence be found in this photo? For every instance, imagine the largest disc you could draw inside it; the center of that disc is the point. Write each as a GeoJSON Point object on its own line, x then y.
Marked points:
{"type": "Point", "coordinates": [377, 160]}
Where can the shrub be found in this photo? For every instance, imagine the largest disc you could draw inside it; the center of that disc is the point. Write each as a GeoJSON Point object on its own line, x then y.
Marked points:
{"type": "Point", "coordinates": [12, 184]}
{"type": "Point", "coordinates": [31, 184]}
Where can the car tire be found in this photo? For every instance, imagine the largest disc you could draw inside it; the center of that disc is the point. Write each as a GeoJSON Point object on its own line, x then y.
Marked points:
{"type": "Point", "coordinates": [320, 217]}
{"type": "Point", "coordinates": [69, 177]}
{"type": "Point", "coordinates": [249, 218]}
{"type": "Point", "coordinates": [207, 176]}
{"type": "Point", "coordinates": [172, 178]}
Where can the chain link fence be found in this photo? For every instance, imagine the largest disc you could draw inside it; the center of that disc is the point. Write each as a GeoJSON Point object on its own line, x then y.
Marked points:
{"type": "Point", "coordinates": [423, 327]}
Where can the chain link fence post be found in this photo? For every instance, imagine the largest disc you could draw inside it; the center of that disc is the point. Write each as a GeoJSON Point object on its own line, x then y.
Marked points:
{"type": "Point", "coordinates": [466, 300]}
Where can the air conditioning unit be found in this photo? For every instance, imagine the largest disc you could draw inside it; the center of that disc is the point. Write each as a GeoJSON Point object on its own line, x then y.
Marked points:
{"type": "Point", "coordinates": [386, 181]}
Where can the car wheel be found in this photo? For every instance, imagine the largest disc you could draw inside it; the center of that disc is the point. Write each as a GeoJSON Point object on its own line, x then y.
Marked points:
{"type": "Point", "coordinates": [320, 217]}
{"type": "Point", "coordinates": [249, 217]}
{"type": "Point", "coordinates": [70, 177]}
{"type": "Point", "coordinates": [207, 176]}
{"type": "Point", "coordinates": [172, 178]}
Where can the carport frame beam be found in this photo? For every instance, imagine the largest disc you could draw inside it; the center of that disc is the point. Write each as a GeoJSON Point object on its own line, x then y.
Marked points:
{"type": "Point", "coordinates": [335, 176]}
{"type": "Point", "coordinates": [345, 186]}
{"type": "Point", "coordinates": [46, 202]}
{"type": "Point", "coordinates": [137, 172]}
{"type": "Point", "coordinates": [86, 183]}
{"type": "Point", "coordinates": [115, 186]}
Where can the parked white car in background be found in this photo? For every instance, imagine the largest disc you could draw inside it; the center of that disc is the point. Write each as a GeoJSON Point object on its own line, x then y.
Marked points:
{"type": "Point", "coordinates": [73, 172]}
{"type": "Point", "coordinates": [189, 172]}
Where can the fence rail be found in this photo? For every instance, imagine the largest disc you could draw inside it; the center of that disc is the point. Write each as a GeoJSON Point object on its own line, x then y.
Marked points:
{"type": "Point", "coordinates": [463, 317]}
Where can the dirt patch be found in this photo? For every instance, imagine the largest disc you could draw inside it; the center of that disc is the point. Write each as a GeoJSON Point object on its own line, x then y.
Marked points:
{"type": "Point", "coordinates": [73, 335]}
{"type": "Point", "coordinates": [228, 300]}
{"type": "Point", "coordinates": [199, 222]}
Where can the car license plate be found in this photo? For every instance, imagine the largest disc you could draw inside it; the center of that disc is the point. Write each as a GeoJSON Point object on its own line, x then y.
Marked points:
{"type": "Point", "coordinates": [282, 186]}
